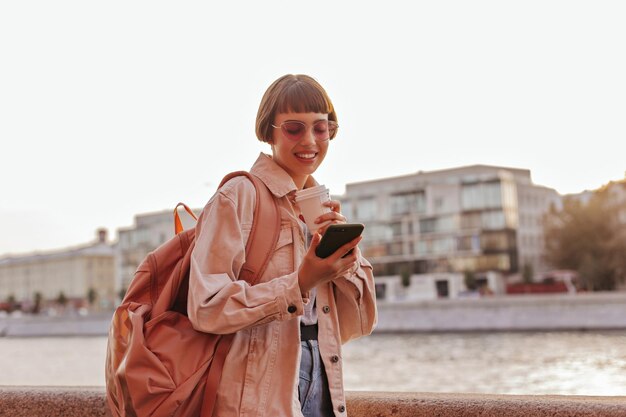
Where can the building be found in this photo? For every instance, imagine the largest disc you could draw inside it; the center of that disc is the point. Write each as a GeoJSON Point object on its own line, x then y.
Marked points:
{"type": "Point", "coordinates": [470, 219]}
{"type": "Point", "coordinates": [134, 243]}
{"type": "Point", "coordinates": [73, 272]}
{"type": "Point", "coordinates": [436, 285]}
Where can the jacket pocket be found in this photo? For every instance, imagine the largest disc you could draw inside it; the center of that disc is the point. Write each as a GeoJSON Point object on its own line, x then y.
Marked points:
{"type": "Point", "coordinates": [281, 262]}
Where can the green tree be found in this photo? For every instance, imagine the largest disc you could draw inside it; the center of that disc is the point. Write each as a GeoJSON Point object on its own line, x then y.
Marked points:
{"type": "Point", "coordinates": [470, 280]}
{"type": "Point", "coordinates": [92, 296]}
{"type": "Point", "coordinates": [122, 293]}
{"type": "Point", "coordinates": [590, 239]}
{"type": "Point", "coordinates": [405, 277]}
{"type": "Point", "coordinates": [12, 302]}
{"type": "Point", "coordinates": [38, 297]}
{"type": "Point", "coordinates": [62, 299]}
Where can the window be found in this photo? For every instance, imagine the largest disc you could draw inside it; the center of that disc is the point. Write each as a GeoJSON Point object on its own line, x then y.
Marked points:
{"type": "Point", "coordinates": [438, 224]}
{"type": "Point", "coordinates": [470, 221]}
{"type": "Point", "coordinates": [428, 225]}
{"type": "Point", "coordinates": [442, 288]}
{"type": "Point", "coordinates": [373, 251]}
{"type": "Point", "coordinates": [444, 245]}
{"type": "Point", "coordinates": [424, 247]}
{"type": "Point", "coordinates": [482, 195]}
{"type": "Point", "coordinates": [366, 209]}
{"type": "Point", "coordinates": [446, 223]}
{"type": "Point", "coordinates": [405, 203]}
{"type": "Point", "coordinates": [468, 243]}
{"type": "Point", "coordinates": [495, 241]}
{"type": "Point", "coordinates": [438, 204]}
{"type": "Point", "coordinates": [493, 220]}
{"type": "Point", "coordinates": [378, 232]}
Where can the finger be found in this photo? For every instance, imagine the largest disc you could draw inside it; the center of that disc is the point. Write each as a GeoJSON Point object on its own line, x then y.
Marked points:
{"type": "Point", "coordinates": [315, 241]}
{"type": "Point", "coordinates": [334, 205]}
{"type": "Point", "coordinates": [332, 216]}
{"type": "Point", "coordinates": [322, 230]}
{"type": "Point", "coordinates": [350, 256]}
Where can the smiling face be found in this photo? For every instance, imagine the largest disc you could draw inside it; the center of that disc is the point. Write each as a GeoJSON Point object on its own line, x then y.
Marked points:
{"type": "Point", "coordinates": [299, 158]}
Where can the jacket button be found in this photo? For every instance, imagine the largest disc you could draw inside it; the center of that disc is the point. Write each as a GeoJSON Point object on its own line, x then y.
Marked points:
{"type": "Point", "coordinates": [341, 408]}
{"type": "Point", "coordinates": [326, 309]}
{"type": "Point", "coordinates": [292, 309]}
{"type": "Point", "coordinates": [334, 359]}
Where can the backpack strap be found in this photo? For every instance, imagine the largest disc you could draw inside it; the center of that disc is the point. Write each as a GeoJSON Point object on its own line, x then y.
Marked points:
{"type": "Point", "coordinates": [259, 248]}
{"type": "Point", "coordinates": [265, 229]}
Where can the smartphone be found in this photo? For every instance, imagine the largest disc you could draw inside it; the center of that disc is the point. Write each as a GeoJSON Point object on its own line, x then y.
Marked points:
{"type": "Point", "coordinates": [336, 236]}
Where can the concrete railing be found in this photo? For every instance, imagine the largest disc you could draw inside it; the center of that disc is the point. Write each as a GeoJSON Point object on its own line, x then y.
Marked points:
{"type": "Point", "coordinates": [90, 402]}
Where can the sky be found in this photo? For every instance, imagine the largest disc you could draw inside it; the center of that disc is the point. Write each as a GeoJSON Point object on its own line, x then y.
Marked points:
{"type": "Point", "coordinates": [112, 109]}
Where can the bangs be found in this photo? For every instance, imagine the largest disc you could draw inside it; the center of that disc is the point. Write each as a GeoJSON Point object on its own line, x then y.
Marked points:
{"type": "Point", "coordinates": [302, 97]}
{"type": "Point", "coordinates": [291, 94]}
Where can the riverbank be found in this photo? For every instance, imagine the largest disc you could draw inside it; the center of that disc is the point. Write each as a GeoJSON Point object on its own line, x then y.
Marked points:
{"type": "Point", "coordinates": [555, 312]}
{"type": "Point", "coordinates": [585, 311]}
{"type": "Point", "coordinates": [96, 324]}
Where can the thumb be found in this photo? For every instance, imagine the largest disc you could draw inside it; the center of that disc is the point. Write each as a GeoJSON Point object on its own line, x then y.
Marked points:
{"type": "Point", "coordinates": [315, 240]}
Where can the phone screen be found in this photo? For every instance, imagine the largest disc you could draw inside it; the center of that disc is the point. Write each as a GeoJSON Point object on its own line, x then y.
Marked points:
{"type": "Point", "coordinates": [336, 236]}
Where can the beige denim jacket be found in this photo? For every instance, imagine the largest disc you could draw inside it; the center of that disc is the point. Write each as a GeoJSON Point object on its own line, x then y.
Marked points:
{"type": "Point", "coordinates": [260, 376]}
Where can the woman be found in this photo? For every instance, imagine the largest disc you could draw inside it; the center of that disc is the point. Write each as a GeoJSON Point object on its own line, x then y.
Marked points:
{"type": "Point", "coordinates": [286, 355]}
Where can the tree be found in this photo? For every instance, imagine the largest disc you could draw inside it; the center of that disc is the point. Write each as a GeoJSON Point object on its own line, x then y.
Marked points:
{"type": "Point", "coordinates": [528, 273]}
{"type": "Point", "coordinates": [405, 277]}
{"type": "Point", "coordinates": [590, 239]}
{"type": "Point", "coordinates": [62, 299]}
{"type": "Point", "coordinates": [470, 280]}
{"type": "Point", "coordinates": [92, 296]}
{"type": "Point", "coordinates": [38, 299]}
{"type": "Point", "coordinates": [12, 302]}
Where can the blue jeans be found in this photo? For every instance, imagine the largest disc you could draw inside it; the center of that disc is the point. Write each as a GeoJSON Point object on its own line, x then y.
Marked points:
{"type": "Point", "coordinates": [313, 387]}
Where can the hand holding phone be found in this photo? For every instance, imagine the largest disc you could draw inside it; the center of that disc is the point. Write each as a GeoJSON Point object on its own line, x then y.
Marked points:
{"type": "Point", "coordinates": [318, 266]}
{"type": "Point", "coordinates": [336, 236]}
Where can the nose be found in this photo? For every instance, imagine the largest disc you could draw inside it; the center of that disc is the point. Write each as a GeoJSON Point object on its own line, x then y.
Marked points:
{"type": "Point", "coordinates": [309, 136]}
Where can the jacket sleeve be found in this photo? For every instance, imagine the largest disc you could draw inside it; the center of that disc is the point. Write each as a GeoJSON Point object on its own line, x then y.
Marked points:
{"type": "Point", "coordinates": [355, 297]}
{"type": "Point", "coordinates": [218, 302]}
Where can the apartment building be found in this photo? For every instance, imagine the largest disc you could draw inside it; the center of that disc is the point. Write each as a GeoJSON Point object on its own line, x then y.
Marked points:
{"type": "Point", "coordinates": [72, 271]}
{"type": "Point", "coordinates": [150, 230]}
{"type": "Point", "coordinates": [476, 218]}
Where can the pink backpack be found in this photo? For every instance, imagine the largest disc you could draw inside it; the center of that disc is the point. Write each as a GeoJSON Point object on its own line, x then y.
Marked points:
{"type": "Point", "coordinates": [157, 364]}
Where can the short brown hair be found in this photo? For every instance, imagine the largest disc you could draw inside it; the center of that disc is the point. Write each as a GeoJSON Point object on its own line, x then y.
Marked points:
{"type": "Point", "coordinates": [291, 93]}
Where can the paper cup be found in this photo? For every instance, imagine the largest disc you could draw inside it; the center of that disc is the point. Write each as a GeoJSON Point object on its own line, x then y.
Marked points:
{"type": "Point", "coordinates": [310, 201]}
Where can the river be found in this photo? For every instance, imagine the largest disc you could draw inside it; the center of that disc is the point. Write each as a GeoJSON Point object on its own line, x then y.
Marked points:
{"type": "Point", "coordinates": [569, 363]}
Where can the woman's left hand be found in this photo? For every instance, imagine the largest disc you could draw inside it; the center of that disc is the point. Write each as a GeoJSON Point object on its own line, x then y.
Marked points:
{"type": "Point", "coordinates": [334, 216]}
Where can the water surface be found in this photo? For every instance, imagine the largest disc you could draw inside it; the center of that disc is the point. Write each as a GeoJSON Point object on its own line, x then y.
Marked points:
{"type": "Point", "coordinates": [570, 363]}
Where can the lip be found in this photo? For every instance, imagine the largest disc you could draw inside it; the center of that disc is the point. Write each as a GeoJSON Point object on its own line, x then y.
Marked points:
{"type": "Point", "coordinates": [306, 160]}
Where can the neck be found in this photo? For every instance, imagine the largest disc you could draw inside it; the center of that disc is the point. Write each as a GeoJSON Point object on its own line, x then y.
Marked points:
{"type": "Point", "coordinates": [301, 182]}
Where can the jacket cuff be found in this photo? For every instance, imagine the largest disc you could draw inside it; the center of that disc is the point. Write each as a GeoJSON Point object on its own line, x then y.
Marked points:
{"type": "Point", "coordinates": [357, 277]}
{"type": "Point", "coordinates": [290, 302]}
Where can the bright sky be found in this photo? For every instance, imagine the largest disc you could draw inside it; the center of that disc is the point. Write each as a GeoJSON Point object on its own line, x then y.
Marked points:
{"type": "Point", "coordinates": [110, 109]}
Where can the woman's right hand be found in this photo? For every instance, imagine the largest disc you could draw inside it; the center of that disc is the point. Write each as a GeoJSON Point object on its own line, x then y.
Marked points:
{"type": "Point", "coordinates": [314, 271]}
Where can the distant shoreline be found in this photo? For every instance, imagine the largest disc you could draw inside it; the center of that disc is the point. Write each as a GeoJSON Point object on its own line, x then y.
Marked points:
{"type": "Point", "coordinates": [544, 313]}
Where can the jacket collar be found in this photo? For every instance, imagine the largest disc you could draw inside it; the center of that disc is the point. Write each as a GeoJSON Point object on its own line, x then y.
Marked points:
{"type": "Point", "coordinates": [275, 178]}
